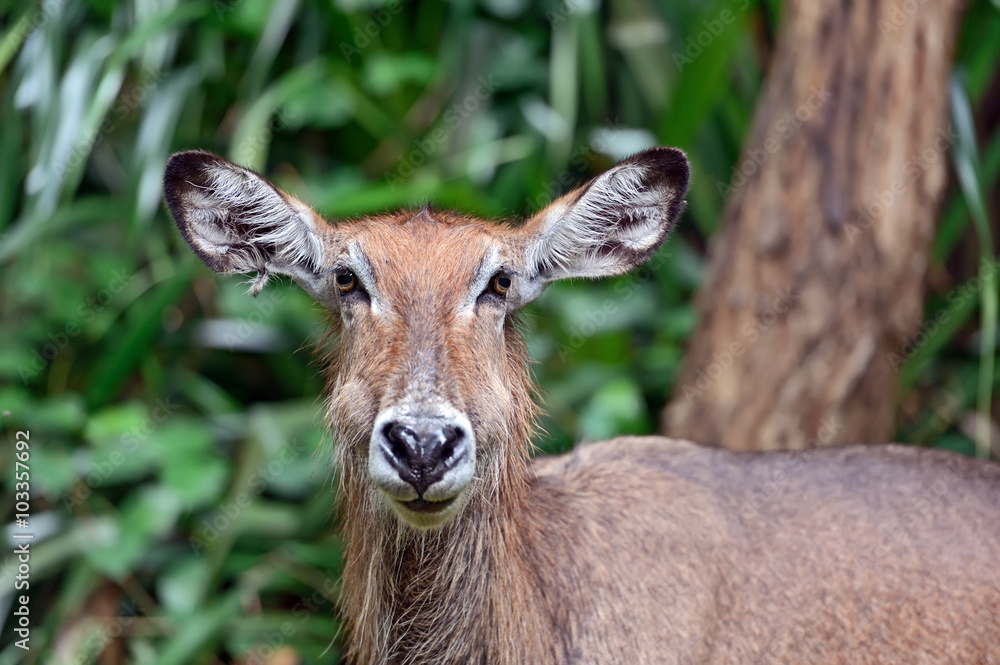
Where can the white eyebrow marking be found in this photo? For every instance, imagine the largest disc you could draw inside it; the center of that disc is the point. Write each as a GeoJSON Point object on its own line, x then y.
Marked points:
{"type": "Point", "coordinates": [363, 270]}
{"type": "Point", "coordinates": [480, 278]}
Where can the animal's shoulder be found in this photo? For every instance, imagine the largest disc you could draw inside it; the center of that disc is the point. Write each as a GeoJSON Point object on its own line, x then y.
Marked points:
{"type": "Point", "coordinates": [633, 457]}
{"type": "Point", "coordinates": [624, 450]}
{"type": "Point", "coordinates": [848, 471]}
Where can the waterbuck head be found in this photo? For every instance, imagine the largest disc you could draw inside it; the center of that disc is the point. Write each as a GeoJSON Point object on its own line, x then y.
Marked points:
{"type": "Point", "coordinates": [429, 397]}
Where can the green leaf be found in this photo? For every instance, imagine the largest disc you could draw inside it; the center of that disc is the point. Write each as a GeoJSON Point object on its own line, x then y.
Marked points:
{"type": "Point", "coordinates": [180, 587]}
{"type": "Point", "coordinates": [136, 342]}
{"type": "Point", "coordinates": [106, 427]}
{"type": "Point", "coordinates": [200, 629]}
{"type": "Point", "coordinates": [146, 516]}
{"type": "Point", "coordinates": [970, 179]}
{"type": "Point", "coordinates": [617, 408]}
{"type": "Point", "coordinates": [702, 80]}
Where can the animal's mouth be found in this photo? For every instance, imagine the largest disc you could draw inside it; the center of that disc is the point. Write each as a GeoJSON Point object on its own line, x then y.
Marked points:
{"type": "Point", "coordinates": [427, 507]}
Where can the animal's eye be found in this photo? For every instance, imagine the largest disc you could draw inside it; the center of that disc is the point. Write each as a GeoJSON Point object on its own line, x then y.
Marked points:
{"type": "Point", "coordinates": [500, 284]}
{"type": "Point", "coordinates": [346, 281]}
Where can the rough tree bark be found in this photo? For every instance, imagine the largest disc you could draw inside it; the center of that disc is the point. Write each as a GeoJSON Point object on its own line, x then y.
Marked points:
{"type": "Point", "coordinates": [816, 280]}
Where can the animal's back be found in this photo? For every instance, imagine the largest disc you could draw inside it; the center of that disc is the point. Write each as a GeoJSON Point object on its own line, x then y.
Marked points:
{"type": "Point", "coordinates": [664, 551]}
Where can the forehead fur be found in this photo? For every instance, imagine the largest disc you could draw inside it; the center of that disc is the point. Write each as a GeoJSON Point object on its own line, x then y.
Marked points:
{"type": "Point", "coordinates": [425, 248]}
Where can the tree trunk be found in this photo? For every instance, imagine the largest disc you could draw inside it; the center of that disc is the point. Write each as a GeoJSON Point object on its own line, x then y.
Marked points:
{"type": "Point", "coordinates": [816, 281]}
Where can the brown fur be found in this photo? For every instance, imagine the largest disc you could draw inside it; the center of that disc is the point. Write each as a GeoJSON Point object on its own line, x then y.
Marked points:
{"type": "Point", "coordinates": [648, 550]}
{"type": "Point", "coordinates": [636, 550]}
{"type": "Point", "coordinates": [393, 575]}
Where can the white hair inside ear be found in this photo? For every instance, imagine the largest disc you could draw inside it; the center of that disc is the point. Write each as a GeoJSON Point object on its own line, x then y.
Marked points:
{"type": "Point", "coordinates": [238, 222]}
{"type": "Point", "coordinates": [613, 223]}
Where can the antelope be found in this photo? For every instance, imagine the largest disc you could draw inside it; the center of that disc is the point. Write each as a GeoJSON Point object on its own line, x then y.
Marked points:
{"type": "Point", "coordinates": [462, 548]}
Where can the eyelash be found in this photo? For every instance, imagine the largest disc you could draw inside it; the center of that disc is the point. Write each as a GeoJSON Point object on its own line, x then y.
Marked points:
{"type": "Point", "coordinates": [346, 281]}
{"type": "Point", "coordinates": [353, 289]}
{"type": "Point", "coordinates": [348, 284]}
{"type": "Point", "coordinates": [500, 284]}
{"type": "Point", "coordinates": [497, 290]}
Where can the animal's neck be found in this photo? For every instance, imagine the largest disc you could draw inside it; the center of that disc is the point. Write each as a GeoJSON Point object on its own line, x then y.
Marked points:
{"type": "Point", "coordinates": [443, 596]}
{"type": "Point", "coordinates": [440, 596]}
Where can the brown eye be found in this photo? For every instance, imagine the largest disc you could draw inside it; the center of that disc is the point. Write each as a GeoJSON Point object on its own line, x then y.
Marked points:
{"type": "Point", "coordinates": [346, 281]}
{"type": "Point", "coordinates": [501, 283]}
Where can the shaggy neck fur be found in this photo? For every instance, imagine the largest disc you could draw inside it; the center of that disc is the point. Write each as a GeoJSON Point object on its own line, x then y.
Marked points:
{"type": "Point", "coordinates": [441, 596]}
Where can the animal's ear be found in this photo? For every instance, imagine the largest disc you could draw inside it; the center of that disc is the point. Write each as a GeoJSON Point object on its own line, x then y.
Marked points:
{"type": "Point", "coordinates": [610, 225]}
{"type": "Point", "coordinates": [238, 222]}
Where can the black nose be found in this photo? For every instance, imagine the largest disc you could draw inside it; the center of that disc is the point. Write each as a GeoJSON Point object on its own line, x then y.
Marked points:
{"type": "Point", "coordinates": [422, 452]}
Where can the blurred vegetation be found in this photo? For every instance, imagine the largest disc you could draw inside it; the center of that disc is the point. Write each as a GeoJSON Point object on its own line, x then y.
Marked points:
{"type": "Point", "coordinates": [179, 472]}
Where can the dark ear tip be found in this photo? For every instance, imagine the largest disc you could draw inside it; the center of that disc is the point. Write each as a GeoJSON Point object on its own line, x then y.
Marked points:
{"type": "Point", "coordinates": [671, 163]}
{"type": "Point", "coordinates": [186, 165]}
{"type": "Point", "coordinates": [184, 170]}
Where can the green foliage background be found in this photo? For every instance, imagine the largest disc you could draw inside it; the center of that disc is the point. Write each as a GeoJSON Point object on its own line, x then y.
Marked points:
{"type": "Point", "coordinates": [179, 476]}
